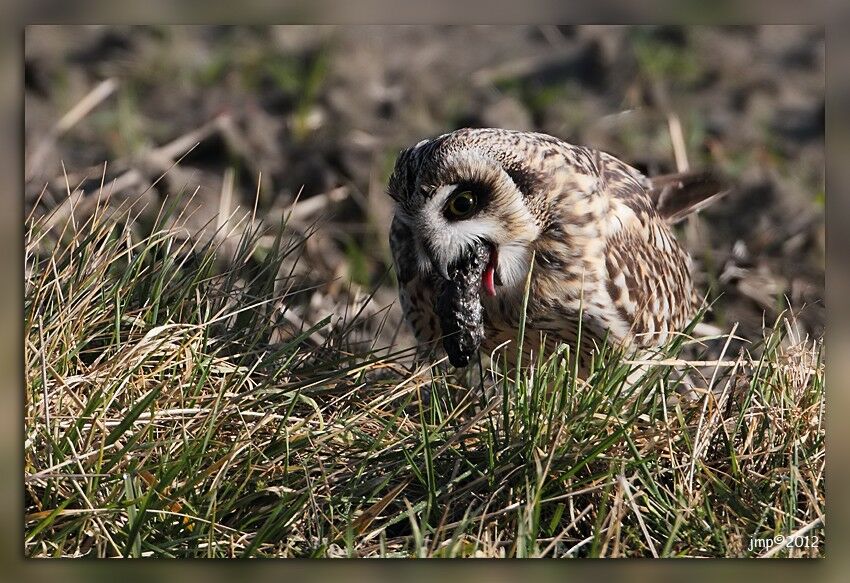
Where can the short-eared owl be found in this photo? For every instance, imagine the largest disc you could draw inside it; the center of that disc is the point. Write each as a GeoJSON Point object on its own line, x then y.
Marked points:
{"type": "Point", "coordinates": [476, 207]}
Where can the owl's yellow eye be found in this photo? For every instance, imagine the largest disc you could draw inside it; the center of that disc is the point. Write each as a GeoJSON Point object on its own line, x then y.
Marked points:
{"type": "Point", "coordinates": [462, 204]}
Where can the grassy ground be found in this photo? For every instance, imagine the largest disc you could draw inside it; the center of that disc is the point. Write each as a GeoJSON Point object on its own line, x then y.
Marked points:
{"type": "Point", "coordinates": [175, 407]}
{"type": "Point", "coordinates": [202, 383]}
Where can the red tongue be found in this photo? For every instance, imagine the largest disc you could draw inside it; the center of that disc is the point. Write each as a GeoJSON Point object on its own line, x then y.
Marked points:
{"type": "Point", "coordinates": [488, 280]}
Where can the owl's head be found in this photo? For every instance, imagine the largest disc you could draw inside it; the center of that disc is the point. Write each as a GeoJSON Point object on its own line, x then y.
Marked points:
{"type": "Point", "coordinates": [460, 190]}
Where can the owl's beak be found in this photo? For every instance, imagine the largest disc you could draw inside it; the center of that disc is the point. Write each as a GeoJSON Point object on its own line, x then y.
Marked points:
{"type": "Point", "coordinates": [439, 267]}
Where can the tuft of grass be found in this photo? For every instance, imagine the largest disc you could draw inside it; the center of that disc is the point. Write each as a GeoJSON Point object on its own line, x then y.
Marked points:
{"type": "Point", "coordinates": [173, 409]}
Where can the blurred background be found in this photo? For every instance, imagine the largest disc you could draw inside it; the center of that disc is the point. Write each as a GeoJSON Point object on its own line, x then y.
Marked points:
{"type": "Point", "coordinates": [318, 113]}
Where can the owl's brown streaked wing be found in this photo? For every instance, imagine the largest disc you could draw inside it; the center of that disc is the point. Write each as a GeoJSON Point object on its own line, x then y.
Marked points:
{"type": "Point", "coordinates": [416, 294]}
{"type": "Point", "coordinates": [648, 277]}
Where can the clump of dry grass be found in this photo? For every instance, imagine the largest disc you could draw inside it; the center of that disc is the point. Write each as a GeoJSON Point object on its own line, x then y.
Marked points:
{"type": "Point", "coordinates": [175, 409]}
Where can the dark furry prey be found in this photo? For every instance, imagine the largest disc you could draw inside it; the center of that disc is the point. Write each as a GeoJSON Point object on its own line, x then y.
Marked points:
{"type": "Point", "coordinates": [459, 306]}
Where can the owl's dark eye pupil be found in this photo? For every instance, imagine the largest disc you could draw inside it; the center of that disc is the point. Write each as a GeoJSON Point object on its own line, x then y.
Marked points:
{"type": "Point", "coordinates": [462, 204]}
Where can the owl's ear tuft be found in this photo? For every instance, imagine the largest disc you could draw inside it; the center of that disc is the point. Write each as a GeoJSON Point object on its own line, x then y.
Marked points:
{"type": "Point", "coordinates": [398, 184]}
{"type": "Point", "coordinates": [393, 194]}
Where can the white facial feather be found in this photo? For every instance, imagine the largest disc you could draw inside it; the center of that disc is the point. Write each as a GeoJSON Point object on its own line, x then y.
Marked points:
{"type": "Point", "coordinates": [514, 261]}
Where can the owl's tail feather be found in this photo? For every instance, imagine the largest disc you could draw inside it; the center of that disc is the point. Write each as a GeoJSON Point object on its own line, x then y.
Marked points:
{"type": "Point", "coordinates": [678, 195]}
